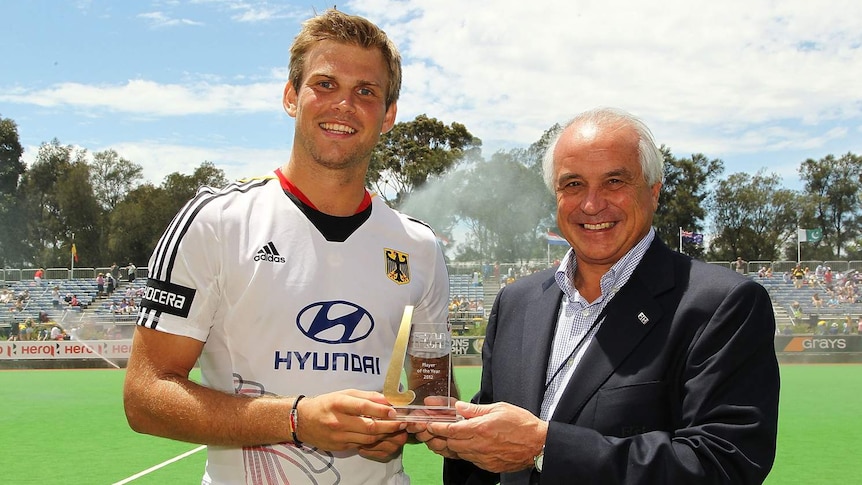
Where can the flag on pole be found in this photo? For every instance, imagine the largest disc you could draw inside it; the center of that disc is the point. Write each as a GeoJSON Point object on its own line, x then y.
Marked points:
{"type": "Point", "coordinates": [692, 237]}
{"type": "Point", "coordinates": [809, 235]}
{"type": "Point", "coordinates": [556, 240]}
{"type": "Point", "coordinates": [74, 252]}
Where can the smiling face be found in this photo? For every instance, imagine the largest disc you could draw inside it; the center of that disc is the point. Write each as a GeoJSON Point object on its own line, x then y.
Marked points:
{"type": "Point", "coordinates": [340, 107]}
{"type": "Point", "coordinates": [604, 205]}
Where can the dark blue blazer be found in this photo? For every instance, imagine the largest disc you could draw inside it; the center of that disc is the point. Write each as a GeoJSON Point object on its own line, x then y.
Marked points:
{"type": "Point", "coordinates": [679, 386]}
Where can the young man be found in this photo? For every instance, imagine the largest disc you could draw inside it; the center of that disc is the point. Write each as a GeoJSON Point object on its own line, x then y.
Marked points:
{"type": "Point", "coordinates": [290, 289]}
{"type": "Point", "coordinates": [629, 363]}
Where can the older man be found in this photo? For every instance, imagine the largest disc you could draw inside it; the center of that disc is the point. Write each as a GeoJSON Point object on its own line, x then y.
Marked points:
{"type": "Point", "coordinates": [630, 363]}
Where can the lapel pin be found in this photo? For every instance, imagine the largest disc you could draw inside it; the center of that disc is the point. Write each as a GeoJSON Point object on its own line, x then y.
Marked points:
{"type": "Point", "coordinates": [643, 318]}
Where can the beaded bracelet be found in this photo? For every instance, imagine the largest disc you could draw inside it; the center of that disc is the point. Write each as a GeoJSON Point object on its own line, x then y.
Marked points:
{"type": "Point", "coordinates": [294, 422]}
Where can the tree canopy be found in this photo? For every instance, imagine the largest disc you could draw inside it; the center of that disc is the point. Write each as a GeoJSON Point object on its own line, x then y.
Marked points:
{"type": "Point", "coordinates": [412, 152]}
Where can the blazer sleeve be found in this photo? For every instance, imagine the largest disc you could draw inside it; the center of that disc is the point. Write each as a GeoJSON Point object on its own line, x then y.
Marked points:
{"type": "Point", "coordinates": [725, 403]}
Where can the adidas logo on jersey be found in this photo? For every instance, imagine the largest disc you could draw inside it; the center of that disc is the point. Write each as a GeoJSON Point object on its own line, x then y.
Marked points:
{"type": "Point", "coordinates": [269, 253]}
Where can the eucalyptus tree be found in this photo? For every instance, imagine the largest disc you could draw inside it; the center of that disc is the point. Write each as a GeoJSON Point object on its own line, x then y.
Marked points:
{"type": "Point", "coordinates": [834, 186]}
{"type": "Point", "coordinates": [142, 216]}
{"type": "Point", "coordinates": [504, 205]}
{"type": "Point", "coordinates": [753, 216]}
{"type": "Point", "coordinates": [46, 203]}
{"type": "Point", "coordinates": [414, 151]}
{"type": "Point", "coordinates": [112, 177]}
{"type": "Point", "coordinates": [12, 167]}
{"type": "Point", "coordinates": [682, 201]}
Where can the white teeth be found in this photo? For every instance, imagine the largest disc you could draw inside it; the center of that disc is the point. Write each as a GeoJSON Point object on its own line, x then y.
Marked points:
{"type": "Point", "coordinates": [604, 225]}
{"type": "Point", "coordinates": [337, 127]}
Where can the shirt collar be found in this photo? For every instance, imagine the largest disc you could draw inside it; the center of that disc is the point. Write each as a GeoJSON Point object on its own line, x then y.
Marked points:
{"type": "Point", "coordinates": [617, 276]}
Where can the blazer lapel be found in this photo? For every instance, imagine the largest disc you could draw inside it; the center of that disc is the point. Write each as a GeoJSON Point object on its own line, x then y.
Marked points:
{"type": "Point", "coordinates": [538, 336]}
{"type": "Point", "coordinates": [629, 317]}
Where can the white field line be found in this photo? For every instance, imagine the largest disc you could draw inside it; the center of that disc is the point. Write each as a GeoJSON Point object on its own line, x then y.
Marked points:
{"type": "Point", "coordinates": [160, 465]}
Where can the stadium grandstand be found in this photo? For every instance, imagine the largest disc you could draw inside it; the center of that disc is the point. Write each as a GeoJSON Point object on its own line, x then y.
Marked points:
{"type": "Point", "coordinates": [49, 303]}
{"type": "Point", "coordinates": [473, 288]}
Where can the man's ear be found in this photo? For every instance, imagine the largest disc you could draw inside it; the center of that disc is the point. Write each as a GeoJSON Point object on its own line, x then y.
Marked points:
{"type": "Point", "coordinates": [289, 100]}
{"type": "Point", "coordinates": [389, 118]}
{"type": "Point", "coordinates": [656, 192]}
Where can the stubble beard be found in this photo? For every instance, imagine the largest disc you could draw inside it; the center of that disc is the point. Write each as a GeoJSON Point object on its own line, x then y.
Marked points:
{"type": "Point", "coordinates": [357, 157]}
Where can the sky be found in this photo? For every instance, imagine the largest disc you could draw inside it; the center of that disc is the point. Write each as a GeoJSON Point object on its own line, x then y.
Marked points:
{"type": "Point", "coordinates": [169, 84]}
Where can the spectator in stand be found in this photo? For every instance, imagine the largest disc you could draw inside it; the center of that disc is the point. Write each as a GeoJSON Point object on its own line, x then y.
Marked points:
{"type": "Point", "coordinates": [819, 271]}
{"type": "Point", "coordinates": [55, 296]}
{"type": "Point", "coordinates": [798, 275]}
{"type": "Point", "coordinates": [111, 283]}
{"type": "Point", "coordinates": [859, 326]}
{"type": "Point", "coordinates": [132, 269]}
{"type": "Point", "coordinates": [816, 301]}
{"type": "Point", "coordinates": [114, 308]}
{"type": "Point", "coordinates": [821, 328]}
{"type": "Point", "coordinates": [124, 305]}
{"type": "Point", "coordinates": [455, 304]}
{"type": "Point", "coordinates": [100, 284]}
{"type": "Point", "coordinates": [15, 330]}
{"type": "Point", "coordinates": [845, 294]}
{"type": "Point", "coordinates": [73, 302]}
{"type": "Point", "coordinates": [6, 295]}
{"type": "Point", "coordinates": [827, 277]}
{"type": "Point", "coordinates": [57, 333]}
{"type": "Point", "coordinates": [809, 277]}
{"type": "Point", "coordinates": [115, 272]}
{"type": "Point", "coordinates": [740, 265]}
{"type": "Point", "coordinates": [133, 307]}
{"type": "Point", "coordinates": [38, 275]}
{"type": "Point", "coordinates": [762, 272]}
{"type": "Point", "coordinates": [29, 330]}
{"type": "Point", "coordinates": [832, 301]}
{"type": "Point", "coordinates": [796, 308]}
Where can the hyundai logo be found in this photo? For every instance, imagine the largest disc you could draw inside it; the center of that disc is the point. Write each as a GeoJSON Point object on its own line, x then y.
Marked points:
{"type": "Point", "coordinates": [335, 322]}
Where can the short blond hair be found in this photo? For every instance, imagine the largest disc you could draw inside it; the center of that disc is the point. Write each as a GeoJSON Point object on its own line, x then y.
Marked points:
{"type": "Point", "coordinates": [347, 29]}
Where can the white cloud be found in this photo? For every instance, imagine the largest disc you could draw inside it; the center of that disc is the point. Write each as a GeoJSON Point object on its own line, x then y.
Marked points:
{"type": "Point", "coordinates": [160, 19]}
{"type": "Point", "coordinates": [510, 70]}
{"type": "Point", "coordinates": [144, 97]}
{"type": "Point", "coordinates": [161, 160]}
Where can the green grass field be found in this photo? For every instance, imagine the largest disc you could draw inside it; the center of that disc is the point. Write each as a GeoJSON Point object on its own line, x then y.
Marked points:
{"type": "Point", "coordinates": [68, 427]}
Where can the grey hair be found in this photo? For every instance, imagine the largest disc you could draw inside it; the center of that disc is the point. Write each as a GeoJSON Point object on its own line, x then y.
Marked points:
{"type": "Point", "coordinates": [651, 158]}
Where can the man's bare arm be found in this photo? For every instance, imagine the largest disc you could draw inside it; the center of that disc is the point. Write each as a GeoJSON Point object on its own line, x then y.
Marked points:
{"type": "Point", "coordinates": [161, 400]}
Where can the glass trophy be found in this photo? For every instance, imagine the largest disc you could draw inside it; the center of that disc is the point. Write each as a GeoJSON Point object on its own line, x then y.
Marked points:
{"type": "Point", "coordinates": [427, 391]}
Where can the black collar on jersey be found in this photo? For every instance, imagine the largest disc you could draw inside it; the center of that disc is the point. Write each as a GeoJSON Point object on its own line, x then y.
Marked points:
{"type": "Point", "coordinates": [333, 228]}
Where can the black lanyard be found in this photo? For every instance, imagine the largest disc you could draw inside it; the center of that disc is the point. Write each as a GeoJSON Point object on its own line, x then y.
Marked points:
{"type": "Point", "coordinates": [575, 349]}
